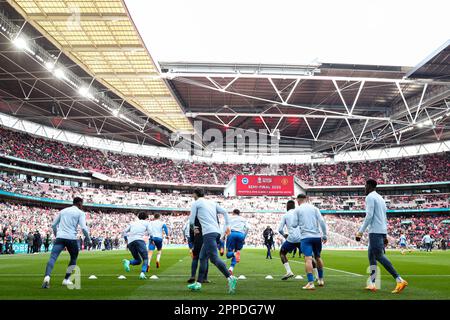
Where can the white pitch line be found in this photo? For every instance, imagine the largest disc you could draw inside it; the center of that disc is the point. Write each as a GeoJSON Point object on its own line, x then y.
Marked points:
{"type": "Point", "coordinates": [337, 270]}
{"type": "Point", "coordinates": [343, 271]}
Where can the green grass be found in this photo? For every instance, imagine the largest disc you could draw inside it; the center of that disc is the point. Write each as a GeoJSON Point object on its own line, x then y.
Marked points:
{"type": "Point", "coordinates": [428, 275]}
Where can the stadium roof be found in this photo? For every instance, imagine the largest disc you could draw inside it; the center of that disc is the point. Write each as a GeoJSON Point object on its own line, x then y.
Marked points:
{"type": "Point", "coordinates": [435, 66]}
{"type": "Point", "coordinates": [101, 37]}
{"type": "Point", "coordinates": [39, 83]}
{"type": "Point", "coordinates": [323, 107]}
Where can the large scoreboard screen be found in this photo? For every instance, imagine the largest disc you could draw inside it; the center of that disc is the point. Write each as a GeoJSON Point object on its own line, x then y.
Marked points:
{"type": "Point", "coordinates": [247, 185]}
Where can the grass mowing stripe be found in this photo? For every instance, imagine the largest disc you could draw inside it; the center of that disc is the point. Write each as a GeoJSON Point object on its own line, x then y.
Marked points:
{"type": "Point", "coordinates": [428, 277]}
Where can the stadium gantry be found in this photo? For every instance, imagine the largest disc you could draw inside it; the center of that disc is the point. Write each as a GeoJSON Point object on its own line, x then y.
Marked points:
{"type": "Point", "coordinates": [324, 107]}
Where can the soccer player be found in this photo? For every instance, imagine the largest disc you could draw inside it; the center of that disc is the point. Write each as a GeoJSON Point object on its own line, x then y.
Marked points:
{"type": "Point", "coordinates": [206, 211]}
{"type": "Point", "coordinates": [377, 223]}
{"type": "Point", "coordinates": [313, 231]}
{"type": "Point", "coordinates": [134, 235]}
{"type": "Point", "coordinates": [402, 242]}
{"type": "Point", "coordinates": [156, 240]}
{"type": "Point", "coordinates": [65, 228]}
{"type": "Point", "coordinates": [292, 237]}
{"type": "Point", "coordinates": [236, 239]}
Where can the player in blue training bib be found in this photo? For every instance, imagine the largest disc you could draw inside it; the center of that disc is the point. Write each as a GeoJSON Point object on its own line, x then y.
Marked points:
{"type": "Point", "coordinates": [158, 227]}
{"type": "Point", "coordinates": [402, 242]}
{"type": "Point", "coordinates": [236, 239]}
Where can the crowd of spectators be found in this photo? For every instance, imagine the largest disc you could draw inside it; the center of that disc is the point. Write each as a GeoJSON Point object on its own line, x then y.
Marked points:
{"type": "Point", "coordinates": [426, 168]}
{"type": "Point", "coordinates": [18, 221]}
{"type": "Point", "coordinates": [32, 225]}
{"type": "Point", "coordinates": [416, 227]}
{"type": "Point", "coordinates": [26, 146]}
{"type": "Point", "coordinates": [183, 201]}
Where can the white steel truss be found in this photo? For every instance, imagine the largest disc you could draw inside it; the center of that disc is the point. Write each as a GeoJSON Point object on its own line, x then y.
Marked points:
{"type": "Point", "coordinates": [177, 154]}
{"type": "Point", "coordinates": [398, 125]}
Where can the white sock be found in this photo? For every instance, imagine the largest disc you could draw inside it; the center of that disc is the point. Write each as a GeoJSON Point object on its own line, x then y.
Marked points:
{"type": "Point", "coordinates": [399, 279]}
{"type": "Point", "coordinates": [315, 273]}
{"type": "Point", "coordinates": [231, 268]}
{"type": "Point", "coordinates": [288, 267]}
{"type": "Point", "coordinates": [158, 256]}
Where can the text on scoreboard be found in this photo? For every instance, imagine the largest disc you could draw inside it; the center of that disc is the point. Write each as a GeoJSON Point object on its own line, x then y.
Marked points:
{"type": "Point", "coordinates": [264, 185]}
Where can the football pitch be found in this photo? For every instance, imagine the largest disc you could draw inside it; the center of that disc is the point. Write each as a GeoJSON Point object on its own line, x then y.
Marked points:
{"type": "Point", "coordinates": [428, 275]}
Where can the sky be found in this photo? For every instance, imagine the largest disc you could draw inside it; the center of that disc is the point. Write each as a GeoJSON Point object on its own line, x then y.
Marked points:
{"type": "Point", "coordinates": [382, 32]}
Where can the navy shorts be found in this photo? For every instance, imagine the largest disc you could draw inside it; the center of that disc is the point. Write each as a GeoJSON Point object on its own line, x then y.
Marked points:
{"type": "Point", "coordinates": [137, 249]}
{"type": "Point", "coordinates": [155, 243]}
{"type": "Point", "coordinates": [235, 241]}
{"type": "Point", "coordinates": [311, 247]}
{"type": "Point", "coordinates": [290, 246]}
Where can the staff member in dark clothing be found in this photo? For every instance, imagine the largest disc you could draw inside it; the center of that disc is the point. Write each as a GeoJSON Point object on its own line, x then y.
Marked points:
{"type": "Point", "coordinates": [443, 244]}
{"type": "Point", "coordinates": [37, 242]}
{"type": "Point", "coordinates": [197, 242]}
{"type": "Point", "coordinates": [268, 241]}
{"type": "Point", "coordinates": [30, 238]}
{"type": "Point", "coordinates": [8, 243]}
{"type": "Point", "coordinates": [87, 244]}
{"type": "Point", "coordinates": [2, 239]}
{"type": "Point", "coordinates": [47, 242]}
{"type": "Point", "coordinates": [95, 243]}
